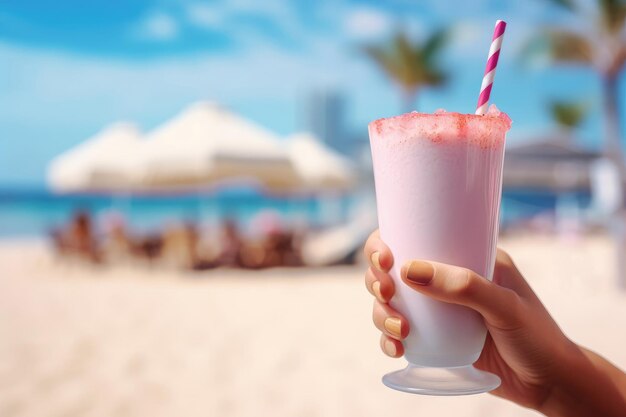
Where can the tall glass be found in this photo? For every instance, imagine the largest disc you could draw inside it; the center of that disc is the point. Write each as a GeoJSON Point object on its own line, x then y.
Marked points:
{"type": "Point", "coordinates": [438, 184]}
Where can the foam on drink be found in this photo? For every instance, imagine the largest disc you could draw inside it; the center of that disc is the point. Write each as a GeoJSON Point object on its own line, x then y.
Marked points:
{"type": "Point", "coordinates": [443, 126]}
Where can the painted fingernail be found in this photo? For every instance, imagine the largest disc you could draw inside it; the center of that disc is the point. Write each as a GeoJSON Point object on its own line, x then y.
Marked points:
{"type": "Point", "coordinates": [377, 293]}
{"type": "Point", "coordinates": [418, 272]}
{"type": "Point", "coordinates": [389, 347]}
{"type": "Point", "coordinates": [394, 326]}
{"type": "Point", "coordinates": [375, 258]}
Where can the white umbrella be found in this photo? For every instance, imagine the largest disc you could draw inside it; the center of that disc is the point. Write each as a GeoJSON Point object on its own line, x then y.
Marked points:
{"type": "Point", "coordinates": [206, 143]}
{"type": "Point", "coordinates": [102, 162]}
{"type": "Point", "coordinates": [318, 166]}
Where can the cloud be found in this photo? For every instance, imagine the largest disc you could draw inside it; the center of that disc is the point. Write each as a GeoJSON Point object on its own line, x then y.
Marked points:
{"type": "Point", "coordinates": [366, 23]}
{"type": "Point", "coordinates": [204, 16]}
{"type": "Point", "coordinates": [158, 26]}
{"type": "Point", "coordinates": [467, 33]}
{"type": "Point", "coordinates": [249, 23]}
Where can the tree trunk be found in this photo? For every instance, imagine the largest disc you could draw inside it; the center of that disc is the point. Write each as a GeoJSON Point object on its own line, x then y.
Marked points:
{"type": "Point", "coordinates": [612, 146]}
{"type": "Point", "coordinates": [613, 151]}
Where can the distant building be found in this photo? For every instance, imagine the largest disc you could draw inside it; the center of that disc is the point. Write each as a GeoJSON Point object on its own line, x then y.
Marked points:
{"type": "Point", "coordinates": [554, 175]}
{"type": "Point", "coordinates": [324, 116]}
{"type": "Point", "coordinates": [552, 162]}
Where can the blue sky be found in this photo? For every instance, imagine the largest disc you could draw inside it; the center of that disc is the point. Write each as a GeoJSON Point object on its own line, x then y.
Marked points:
{"type": "Point", "coordinates": [69, 68]}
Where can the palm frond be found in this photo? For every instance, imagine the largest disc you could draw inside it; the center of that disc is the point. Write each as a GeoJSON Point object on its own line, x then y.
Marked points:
{"type": "Point", "coordinates": [410, 64]}
{"type": "Point", "coordinates": [436, 77]}
{"type": "Point", "coordinates": [568, 47]}
{"type": "Point", "coordinates": [407, 57]}
{"type": "Point", "coordinates": [383, 59]}
{"type": "Point", "coordinates": [568, 114]}
{"type": "Point", "coordinates": [435, 44]}
{"type": "Point", "coordinates": [402, 46]}
{"type": "Point", "coordinates": [560, 46]}
{"type": "Point", "coordinates": [566, 4]}
{"type": "Point", "coordinates": [613, 14]}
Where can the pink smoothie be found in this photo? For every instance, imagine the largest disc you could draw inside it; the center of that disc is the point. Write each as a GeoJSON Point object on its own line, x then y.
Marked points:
{"type": "Point", "coordinates": [438, 186]}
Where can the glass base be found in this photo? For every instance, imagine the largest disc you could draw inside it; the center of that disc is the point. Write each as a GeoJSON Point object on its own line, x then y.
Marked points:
{"type": "Point", "coordinates": [462, 380]}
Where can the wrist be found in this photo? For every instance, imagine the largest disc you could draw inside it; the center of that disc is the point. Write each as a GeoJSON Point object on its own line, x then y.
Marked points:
{"type": "Point", "coordinates": [564, 387]}
{"type": "Point", "coordinates": [580, 389]}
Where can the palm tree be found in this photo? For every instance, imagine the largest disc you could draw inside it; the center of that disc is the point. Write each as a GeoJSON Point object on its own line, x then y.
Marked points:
{"type": "Point", "coordinates": [603, 48]}
{"type": "Point", "coordinates": [412, 66]}
{"type": "Point", "coordinates": [567, 114]}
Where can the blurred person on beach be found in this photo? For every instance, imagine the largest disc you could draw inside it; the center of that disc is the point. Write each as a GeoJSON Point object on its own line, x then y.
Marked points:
{"type": "Point", "coordinates": [117, 246]}
{"type": "Point", "coordinates": [149, 247]}
{"type": "Point", "coordinates": [539, 366]}
{"type": "Point", "coordinates": [275, 249]}
{"type": "Point", "coordinates": [77, 239]}
{"type": "Point", "coordinates": [231, 244]}
{"type": "Point", "coordinates": [203, 255]}
{"type": "Point", "coordinates": [180, 243]}
{"type": "Point", "coordinates": [271, 243]}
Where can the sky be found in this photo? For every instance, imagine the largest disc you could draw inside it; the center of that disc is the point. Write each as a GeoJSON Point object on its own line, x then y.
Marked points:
{"type": "Point", "coordinates": [70, 68]}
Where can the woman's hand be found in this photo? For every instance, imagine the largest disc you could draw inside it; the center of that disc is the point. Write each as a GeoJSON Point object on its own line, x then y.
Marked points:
{"type": "Point", "coordinates": [524, 345]}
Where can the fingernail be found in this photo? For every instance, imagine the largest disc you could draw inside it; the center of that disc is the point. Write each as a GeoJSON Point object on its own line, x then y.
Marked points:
{"type": "Point", "coordinates": [393, 326]}
{"type": "Point", "coordinates": [389, 347]}
{"type": "Point", "coordinates": [375, 258]}
{"type": "Point", "coordinates": [418, 272]}
{"type": "Point", "coordinates": [377, 293]}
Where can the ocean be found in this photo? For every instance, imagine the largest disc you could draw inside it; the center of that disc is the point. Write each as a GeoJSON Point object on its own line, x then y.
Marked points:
{"type": "Point", "coordinates": [34, 213]}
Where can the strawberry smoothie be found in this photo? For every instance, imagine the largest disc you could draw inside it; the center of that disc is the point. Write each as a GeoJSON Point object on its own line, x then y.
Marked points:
{"type": "Point", "coordinates": [438, 184]}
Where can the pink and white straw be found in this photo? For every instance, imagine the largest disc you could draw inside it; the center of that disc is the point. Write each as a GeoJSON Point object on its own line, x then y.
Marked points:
{"type": "Point", "coordinates": [490, 70]}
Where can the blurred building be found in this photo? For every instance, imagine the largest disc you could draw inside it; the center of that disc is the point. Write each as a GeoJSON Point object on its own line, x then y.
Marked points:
{"type": "Point", "coordinates": [324, 117]}
{"type": "Point", "coordinates": [552, 162]}
{"type": "Point", "coordinates": [554, 174]}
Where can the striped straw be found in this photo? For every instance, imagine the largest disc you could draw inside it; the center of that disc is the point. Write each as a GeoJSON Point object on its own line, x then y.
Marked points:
{"type": "Point", "coordinates": [490, 70]}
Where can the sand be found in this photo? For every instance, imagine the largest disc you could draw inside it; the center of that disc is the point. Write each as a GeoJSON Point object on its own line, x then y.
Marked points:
{"type": "Point", "coordinates": [81, 341]}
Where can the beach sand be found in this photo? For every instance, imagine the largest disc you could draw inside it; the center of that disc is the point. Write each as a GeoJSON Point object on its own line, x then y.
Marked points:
{"type": "Point", "coordinates": [82, 341]}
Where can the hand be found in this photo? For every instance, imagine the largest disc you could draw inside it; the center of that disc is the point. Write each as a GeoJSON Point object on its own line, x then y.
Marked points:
{"type": "Point", "coordinates": [524, 345]}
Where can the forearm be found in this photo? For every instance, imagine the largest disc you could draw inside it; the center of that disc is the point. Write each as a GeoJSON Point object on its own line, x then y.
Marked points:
{"type": "Point", "coordinates": [588, 386]}
{"type": "Point", "coordinates": [614, 374]}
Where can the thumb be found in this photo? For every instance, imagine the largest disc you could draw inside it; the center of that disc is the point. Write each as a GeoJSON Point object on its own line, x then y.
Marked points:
{"type": "Point", "coordinates": [462, 286]}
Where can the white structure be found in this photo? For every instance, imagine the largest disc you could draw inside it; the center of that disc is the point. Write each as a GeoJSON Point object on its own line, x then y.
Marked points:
{"type": "Point", "coordinates": [606, 189]}
{"type": "Point", "coordinates": [318, 166]}
{"type": "Point", "coordinates": [202, 146]}
{"type": "Point", "coordinates": [343, 242]}
{"type": "Point", "coordinates": [554, 163]}
{"type": "Point", "coordinates": [206, 144]}
{"type": "Point", "coordinates": [103, 162]}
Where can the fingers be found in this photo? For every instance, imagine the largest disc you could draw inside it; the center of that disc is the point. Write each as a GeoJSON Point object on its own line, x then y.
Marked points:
{"type": "Point", "coordinates": [452, 284]}
{"type": "Point", "coordinates": [391, 347]}
{"type": "Point", "coordinates": [507, 275]}
{"type": "Point", "coordinates": [388, 321]}
{"type": "Point", "coordinates": [379, 284]}
{"type": "Point", "coordinates": [377, 253]}
{"type": "Point", "coordinates": [380, 259]}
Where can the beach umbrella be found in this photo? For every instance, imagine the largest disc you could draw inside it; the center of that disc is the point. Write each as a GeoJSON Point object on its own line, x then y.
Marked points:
{"type": "Point", "coordinates": [319, 167]}
{"type": "Point", "coordinates": [206, 144]}
{"type": "Point", "coordinates": [104, 162]}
